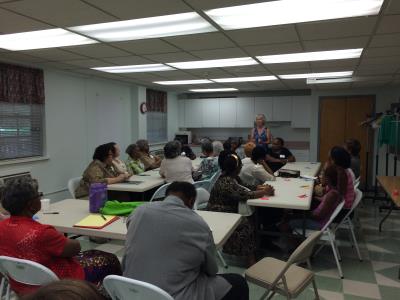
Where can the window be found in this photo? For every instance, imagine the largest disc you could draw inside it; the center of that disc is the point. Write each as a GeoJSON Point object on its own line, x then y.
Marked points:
{"type": "Point", "coordinates": [156, 102]}
{"type": "Point", "coordinates": [21, 112]}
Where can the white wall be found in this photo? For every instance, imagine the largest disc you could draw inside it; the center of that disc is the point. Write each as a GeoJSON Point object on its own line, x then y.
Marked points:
{"type": "Point", "coordinates": [80, 114]}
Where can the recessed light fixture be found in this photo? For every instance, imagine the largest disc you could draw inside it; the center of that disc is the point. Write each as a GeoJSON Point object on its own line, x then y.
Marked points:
{"type": "Point", "coordinates": [214, 90]}
{"type": "Point", "coordinates": [291, 11]}
{"type": "Point", "coordinates": [214, 63]}
{"type": "Point", "coordinates": [49, 38]}
{"type": "Point", "coordinates": [245, 79]}
{"type": "Point", "coordinates": [145, 28]}
{"type": "Point", "coordinates": [181, 82]}
{"type": "Point", "coordinates": [331, 80]}
{"type": "Point", "coordinates": [311, 56]}
{"type": "Point", "coordinates": [326, 75]}
{"type": "Point", "coordinates": [134, 68]}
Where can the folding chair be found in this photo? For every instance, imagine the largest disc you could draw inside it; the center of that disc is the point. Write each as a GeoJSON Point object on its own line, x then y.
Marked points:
{"type": "Point", "coordinates": [160, 192]}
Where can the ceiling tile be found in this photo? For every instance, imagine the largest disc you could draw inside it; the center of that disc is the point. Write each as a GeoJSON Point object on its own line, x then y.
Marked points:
{"type": "Point", "coordinates": [275, 84]}
{"type": "Point", "coordinates": [386, 40]}
{"type": "Point", "coordinates": [264, 35]}
{"type": "Point", "coordinates": [246, 69]}
{"type": "Point", "coordinates": [150, 46]}
{"type": "Point", "coordinates": [381, 60]}
{"type": "Point", "coordinates": [209, 4]}
{"type": "Point", "coordinates": [369, 70]}
{"type": "Point", "coordinates": [20, 57]}
{"type": "Point", "coordinates": [337, 28]}
{"type": "Point", "coordinates": [242, 86]}
{"type": "Point", "coordinates": [296, 83]}
{"type": "Point", "coordinates": [220, 53]}
{"type": "Point", "coordinates": [362, 84]}
{"type": "Point", "coordinates": [381, 51]}
{"type": "Point", "coordinates": [210, 73]}
{"type": "Point", "coordinates": [145, 76]}
{"type": "Point", "coordinates": [58, 65]}
{"type": "Point", "coordinates": [336, 44]}
{"type": "Point", "coordinates": [97, 51]}
{"type": "Point", "coordinates": [60, 12]}
{"type": "Point", "coordinates": [274, 49]}
{"type": "Point", "coordinates": [13, 23]}
{"type": "Point", "coordinates": [178, 75]}
{"type": "Point", "coordinates": [53, 54]}
{"type": "Point", "coordinates": [88, 63]}
{"type": "Point", "coordinates": [203, 41]}
{"type": "Point", "coordinates": [343, 63]}
{"type": "Point", "coordinates": [332, 86]}
{"type": "Point", "coordinates": [290, 66]}
{"type": "Point", "coordinates": [393, 7]}
{"type": "Point", "coordinates": [389, 24]}
{"type": "Point", "coordinates": [171, 57]}
{"type": "Point", "coordinates": [128, 60]}
{"type": "Point", "coordinates": [134, 9]}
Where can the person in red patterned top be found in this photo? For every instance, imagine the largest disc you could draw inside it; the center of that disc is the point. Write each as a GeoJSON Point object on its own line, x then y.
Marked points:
{"type": "Point", "coordinates": [23, 237]}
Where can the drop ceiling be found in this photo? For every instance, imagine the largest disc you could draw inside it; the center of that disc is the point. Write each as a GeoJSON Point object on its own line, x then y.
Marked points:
{"type": "Point", "coordinates": [379, 35]}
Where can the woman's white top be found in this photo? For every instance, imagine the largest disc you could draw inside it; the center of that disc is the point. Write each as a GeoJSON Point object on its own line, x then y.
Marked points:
{"type": "Point", "coordinates": [254, 174]}
{"type": "Point", "coordinates": [177, 169]}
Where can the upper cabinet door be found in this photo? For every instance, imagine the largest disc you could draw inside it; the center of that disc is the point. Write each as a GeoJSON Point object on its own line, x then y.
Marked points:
{"type": "Point", "coordinates": [227, 112]}
{"type": "Point", "coordinates": [301, 107]}
{"type": "Point", "coordinates": [263, 105]}
{"type": "Point", "coordinates": [282, 109]}
{"type": "Point", "coordinates": [245, 112]}
{"type": "Point", "coordinates": [193, 113]}
{"type": "Point", "coordinates": [181, 113]}
{"type": "Point", "coordinates": [210, 113]}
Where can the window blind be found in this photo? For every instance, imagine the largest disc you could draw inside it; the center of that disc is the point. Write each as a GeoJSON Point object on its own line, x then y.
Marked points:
{"type": "Point", "coordinates": [157, 130]}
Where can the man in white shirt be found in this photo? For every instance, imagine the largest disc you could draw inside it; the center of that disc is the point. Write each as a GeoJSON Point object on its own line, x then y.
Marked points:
{"type": "Point", "coordinates": [170, 245]}
{"type": "Point", "coordinates": [254, 171]}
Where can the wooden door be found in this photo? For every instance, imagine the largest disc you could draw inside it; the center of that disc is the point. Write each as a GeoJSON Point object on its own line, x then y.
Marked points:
{"type": "Point", "coordinates": [340, 119]}
{"type": "Point", "coordinates": [332, 126]}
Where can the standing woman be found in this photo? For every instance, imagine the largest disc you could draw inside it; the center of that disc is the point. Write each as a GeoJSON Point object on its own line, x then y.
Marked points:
{"type": "Point", "coordinates": [260, 135]}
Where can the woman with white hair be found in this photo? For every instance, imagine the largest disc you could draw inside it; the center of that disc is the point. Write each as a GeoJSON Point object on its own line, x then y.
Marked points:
{"type": "Point", "coordinates": [260, 135]}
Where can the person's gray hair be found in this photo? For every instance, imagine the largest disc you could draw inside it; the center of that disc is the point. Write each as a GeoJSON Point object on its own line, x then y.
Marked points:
{"type": "Point", "coordinates": [17, 193]}
{"type": "Point", "coordinates": [142, 144]}
{"type": "Point", "coordinates": [206, 147]}
{"type": "Point", "coordinates": [172, 149]}
{"type": "Point", "coordinates": [217, 147]}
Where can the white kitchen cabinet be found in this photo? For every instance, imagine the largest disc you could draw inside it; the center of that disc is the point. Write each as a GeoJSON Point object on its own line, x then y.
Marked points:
{"type": "Point", "coordinates": [282, 109]}
{"type": "Point", "coordinates": [181, 113]}
{"type": "Point", "coordinates": [263, 105]}
{"type": "Point", "coordinates": [210, 113]}
{"type": "Point", "coordinates": [301, 108]}
{"type": "Point", "coordinates": [227, 113]}
{"type": "Point", "coordinates": [245, 112]}
{"type": "Point", "coordinates": [193, 113]}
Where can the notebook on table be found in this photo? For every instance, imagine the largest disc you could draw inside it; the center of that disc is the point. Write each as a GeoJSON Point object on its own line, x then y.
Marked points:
{"type": "Point", "coordinates": [96, 221]}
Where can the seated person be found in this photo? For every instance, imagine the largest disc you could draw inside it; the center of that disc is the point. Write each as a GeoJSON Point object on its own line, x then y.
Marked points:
{"type": "Point", "coordinates": [335, 179]}
{"type": "Point", "coordinates": [248, 148]}
{"type": "Point", "coordinates": [175, 167]}
{"type": "Point", "coordinates": [217, 148]}
{"type": "Point", "coordinates": [66, 289]}
{"type": "Point", "coordinates": [22, 237]}
{"type": "Point", "coordinates": [100, 170]}
{"type": "Point", "coordinates": [353, 146]}
{"type": "Point", "coordinates": [254, 170]}
{"type": "Point", "coordinates": [188, 152]}
{"type": "Point", "coordinates": [133, 163]}
{"type": "Point", "coordinates": [226, 195]}
{"type": "Point", "coordinates": [278, 155]}
{"type": "Point", "coordinates": [209, 164]}
{"type": "Point", "coordinates": [149, 161]}
{"type": "Point", "coordinates": [186, 267]}
{"type": "Point", "coordinates": [118, 164]}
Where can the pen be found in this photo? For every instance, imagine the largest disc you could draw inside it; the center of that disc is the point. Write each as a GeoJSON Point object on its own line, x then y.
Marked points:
{"type": "Point", "coordinates": [104, 218]}
{"type": "Point", "coordinates": [51, 213]}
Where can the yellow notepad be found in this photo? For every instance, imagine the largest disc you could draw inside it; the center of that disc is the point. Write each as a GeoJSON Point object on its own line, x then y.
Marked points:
{"type": "Point", "coordinates": [96, 221]}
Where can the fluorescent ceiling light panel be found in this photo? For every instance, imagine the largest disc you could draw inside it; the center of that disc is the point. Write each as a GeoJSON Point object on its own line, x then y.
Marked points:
{"type": "Point", "coordinates": [291, 11]}
{"type": "Point", "coordinates": [135, 68]}
{"type": "Point", "coordinates": [181, 82]}
{"type": "Point", "coordinates": [331, 80]}
{"type": "Point", "coordinates": [214, 63]}
{"type": "Point", "coordinates": [154, 27]}
{"type": "Point", "coordinates": [40, 39]}
{"type": "Point", "coordinates": [318, 75]}
{"type": "Point", "coordinates": [213, 90]}
{"type": "Point", "coordinates": [245, 79]}
{"type": "Point", "coordinates": [311, 56]}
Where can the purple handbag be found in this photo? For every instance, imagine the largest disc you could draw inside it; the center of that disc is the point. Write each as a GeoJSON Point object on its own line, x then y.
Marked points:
{"type": "Point", "coordinates": [97, 196]}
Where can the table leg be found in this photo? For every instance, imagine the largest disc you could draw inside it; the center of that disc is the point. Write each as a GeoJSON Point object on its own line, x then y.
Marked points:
{"type": "Point", "coordinates": [257, 233]}
{"type": "Point", "coordinates": [304, 223]}
{"type": "Point", "coordinates": [385, 217]}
